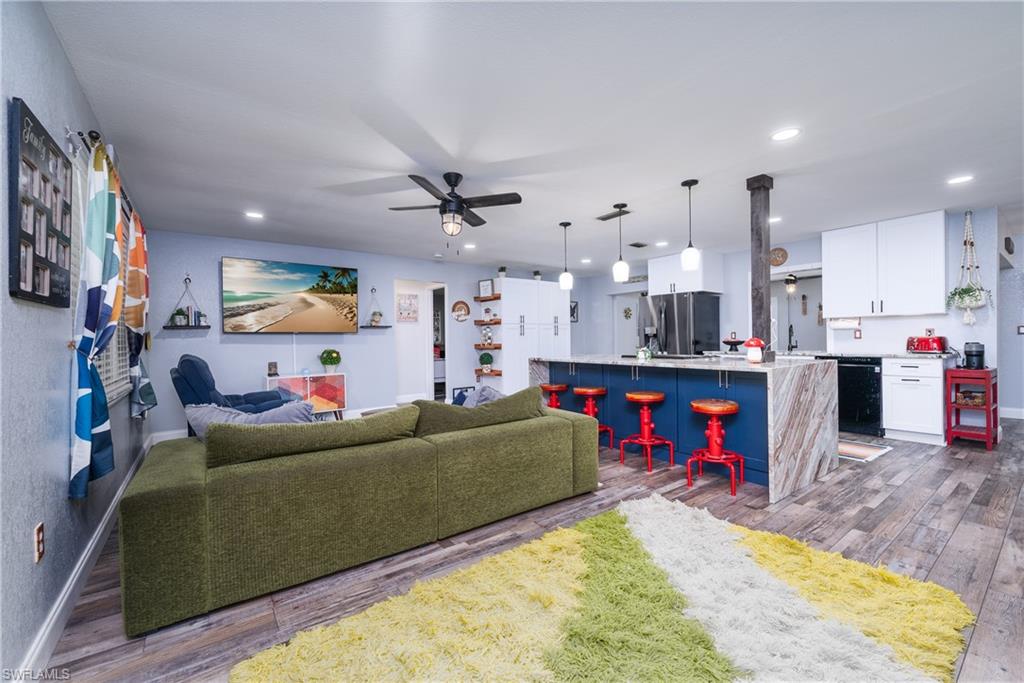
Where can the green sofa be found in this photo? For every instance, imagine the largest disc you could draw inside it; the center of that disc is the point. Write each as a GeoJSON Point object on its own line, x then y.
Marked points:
{"type": "Point", "coordinates": [259, 508]}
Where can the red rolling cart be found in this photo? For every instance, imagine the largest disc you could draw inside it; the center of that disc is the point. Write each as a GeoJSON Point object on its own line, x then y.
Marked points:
{"type": "Point", "coordinates": [982, 382]}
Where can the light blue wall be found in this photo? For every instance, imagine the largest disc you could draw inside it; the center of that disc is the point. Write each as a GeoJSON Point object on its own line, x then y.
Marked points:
{"type": "Point", "coordinates": [594, 332]}
{"type": "Point", "coordinates": [35, 374]}
{"type": "Point", "coordinates": [239, 361]}
{"type": "Point", "coordinates": [1011, 344]}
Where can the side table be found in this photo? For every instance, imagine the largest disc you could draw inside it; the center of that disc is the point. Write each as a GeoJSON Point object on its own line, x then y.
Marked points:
{"type": "Point", "coordinates": [981, 380]}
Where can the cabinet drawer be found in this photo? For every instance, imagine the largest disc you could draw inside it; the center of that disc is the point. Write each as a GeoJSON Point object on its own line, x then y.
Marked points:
{"type": "Point", "coordinates": [912, 367]}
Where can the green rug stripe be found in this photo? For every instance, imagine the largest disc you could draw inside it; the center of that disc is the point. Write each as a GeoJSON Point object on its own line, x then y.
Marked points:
{"type": "Point", "coordinates": [629, 622]}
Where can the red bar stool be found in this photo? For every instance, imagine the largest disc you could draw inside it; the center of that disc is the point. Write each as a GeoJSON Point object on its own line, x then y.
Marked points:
{"type": "Point", "coordinates": [714, 453]}
{"type": "Point", "coordinates": [647, 439]}
{"type": "Point", "coordinates": [553, 390]}
{"type": "Point", "coordinates": [590, 408]}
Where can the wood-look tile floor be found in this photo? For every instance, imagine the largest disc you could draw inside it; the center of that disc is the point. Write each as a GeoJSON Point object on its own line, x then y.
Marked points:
{"type": "Point", "coordinates": [950, 515]}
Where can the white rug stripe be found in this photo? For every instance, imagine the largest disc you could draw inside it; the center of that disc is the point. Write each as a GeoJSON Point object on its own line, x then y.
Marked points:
{"type": "Point", "coordinates": [758, 621]}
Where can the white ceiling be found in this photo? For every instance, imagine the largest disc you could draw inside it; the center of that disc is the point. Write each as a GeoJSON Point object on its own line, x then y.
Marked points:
{"type": "Point", "coordinates": [313, 113]}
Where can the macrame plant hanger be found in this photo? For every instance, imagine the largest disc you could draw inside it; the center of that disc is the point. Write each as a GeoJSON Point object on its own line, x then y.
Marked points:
{"type": "Point", "coordinates": [195, 305]}
{"type": "Point", "coordinates": [970, 273]}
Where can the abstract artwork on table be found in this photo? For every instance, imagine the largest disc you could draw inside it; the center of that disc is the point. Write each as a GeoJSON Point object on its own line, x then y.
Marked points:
{"type": "Point", "coordinates": [408, 306]}
{"type": "Point", "coordinates": [275, 296]}
{"type": "Point", "coordinates": [325, 392]}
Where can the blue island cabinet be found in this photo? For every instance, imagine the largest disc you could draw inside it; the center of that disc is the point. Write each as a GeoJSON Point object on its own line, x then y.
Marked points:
{"type": "Point", "coordinates": [746, 432]}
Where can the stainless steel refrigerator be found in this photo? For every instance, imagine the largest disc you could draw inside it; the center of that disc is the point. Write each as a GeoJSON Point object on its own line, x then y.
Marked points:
{"type": "Point", "coordinates": [680, 324]}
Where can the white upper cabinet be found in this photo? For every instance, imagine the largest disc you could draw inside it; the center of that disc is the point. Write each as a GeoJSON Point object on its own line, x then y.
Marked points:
{"type": "Point", "coordinates": [893, 267]}
{"type": "Point", "coordinates": [849, 272]}
{"type": "Point", "coordinates": [665, 275]}
{"type": "Point", "coordinates": [912, 265]}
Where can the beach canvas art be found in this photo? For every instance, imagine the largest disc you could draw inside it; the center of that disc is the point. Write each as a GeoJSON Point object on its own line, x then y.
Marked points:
{"type": "Point", "coordinates": [275, 296]}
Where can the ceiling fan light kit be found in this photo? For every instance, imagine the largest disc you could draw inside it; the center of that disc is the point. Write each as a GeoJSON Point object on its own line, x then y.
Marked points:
{"type": "Point", "coordinates": [565, 279]}
{"type": "Point", "coordinates": [690, 257]}
{"type": "Point", "coordinates": [454, 208]}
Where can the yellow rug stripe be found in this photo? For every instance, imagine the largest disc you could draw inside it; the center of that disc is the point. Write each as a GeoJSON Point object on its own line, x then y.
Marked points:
{"type": "Point", "coordinates": [920, 620]}
{"type": "Point", "coordinates": [493, 620]}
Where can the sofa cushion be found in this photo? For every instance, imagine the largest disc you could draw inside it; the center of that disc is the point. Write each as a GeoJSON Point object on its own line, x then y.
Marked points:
{"type": "Point", "coordinates": [439, 418]}
{"type": "Point", "coordinates": [201, 417]}
{"type": "Point", "coordinates": [482, 396]}
{"type": "Point", "coordinates": [229, 444]}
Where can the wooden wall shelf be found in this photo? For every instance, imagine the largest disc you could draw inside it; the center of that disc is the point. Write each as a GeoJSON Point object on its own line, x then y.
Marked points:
{"type": "Point", "coordinates": [493, 321]}
{"type": "Point", "coordinates": [483, 299]}
{"type": "Point", "coordinates": [186, 327]}
{"type": "Point", "coordinates": [375, 327]}
{"type": "Point", "coordinates": [492, 373]}
{"type": "Point", "coordinates": [487, 347]}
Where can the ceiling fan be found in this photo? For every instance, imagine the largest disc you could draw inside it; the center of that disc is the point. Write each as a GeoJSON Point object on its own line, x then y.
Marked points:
{"type": "Point", "coordinates": [454, 207]}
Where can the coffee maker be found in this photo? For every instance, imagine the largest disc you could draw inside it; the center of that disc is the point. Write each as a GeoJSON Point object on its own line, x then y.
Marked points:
{"type": "Point", "coordinates": [974, 356]}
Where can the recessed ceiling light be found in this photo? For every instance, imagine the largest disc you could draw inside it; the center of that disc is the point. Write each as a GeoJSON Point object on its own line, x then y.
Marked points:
{"type": "Point", "coordinates": [957, 180]}
{"type": "Point", "coordinates": [662, 243]}
{"type": "Point", "coordinates": [785, 134]}
{"type": "Point", "coordinates": [255, 215]}
{"type": "Point", "coordinates": [584, 260]}
{"type": "Point", "coordinates": [774, 219]}
{"type": "Point", "coordinates": [470, 246]}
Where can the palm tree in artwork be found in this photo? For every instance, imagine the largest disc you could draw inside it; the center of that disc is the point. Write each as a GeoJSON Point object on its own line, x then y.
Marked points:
{"type": "Point", "coordinates": [325, 278]}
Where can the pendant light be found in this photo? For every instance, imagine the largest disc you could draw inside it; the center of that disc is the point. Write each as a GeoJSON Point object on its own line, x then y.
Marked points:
{"type": "Point", "coordinates": [690, 257]}
{"type": "Point", "coordinates": [791, 281]}
{"type": "Point", "coordinates": [620, 271]}
{"type": "Point", "coordinates": [565, 279]}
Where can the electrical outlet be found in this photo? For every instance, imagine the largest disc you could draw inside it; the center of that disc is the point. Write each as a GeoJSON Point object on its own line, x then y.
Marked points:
{"type": "Point", "coordinates": [1020, 329]}
{"type": "Point", "coordinates": [38, 541]}
{"type": "Point", "coordinates": [929, 331]}
{"type": "Point", "coordinates": [857, 334]}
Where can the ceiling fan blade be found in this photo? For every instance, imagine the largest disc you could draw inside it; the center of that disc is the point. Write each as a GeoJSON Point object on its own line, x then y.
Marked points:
{"type": "Point", "coordinates": [493, 200]}
{"type": "Point", "coordinates": [472, 218]}
{"type": "Point", "coordinates": [614, 214]}
{"type": "Point", "coordinates": [414, 208]}
{"type": "Point", "coordinates": [428, 186]}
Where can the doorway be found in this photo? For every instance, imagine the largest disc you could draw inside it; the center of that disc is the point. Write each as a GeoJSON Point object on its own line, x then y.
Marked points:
{"type": "Point", "coordinates": [420, 341]}
{"type": "Point", "coordinates": [625, 325]}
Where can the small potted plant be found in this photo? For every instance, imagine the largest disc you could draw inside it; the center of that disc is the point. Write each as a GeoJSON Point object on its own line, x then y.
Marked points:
{"type": "Point", "coordinates": [330, 359]}
{"type": "Point", "coordinates": [376, 317]}
{"type": "Point", "coordinates": [536, 275]}
{"type": "Point", "coordinates": [179, 318]}
{"type": "Point", "coordinates": [485, 362]}
{"type": "Point", "coordinates": [967, 298]}
{"type": "Point", "coordinates": [502, 271]}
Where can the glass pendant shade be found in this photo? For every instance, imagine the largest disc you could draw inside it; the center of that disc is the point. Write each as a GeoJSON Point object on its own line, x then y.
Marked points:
{"type": "Point", "coordinates": [565, 280]}
{"type": "Point", "coordinates": [690, 258]}
{"type": "Point", "coordinates": [791, 281]}
{"type": "Point", "coordinates": [620, 271]}
{"type": "Point", "coordinates": [451, 223]}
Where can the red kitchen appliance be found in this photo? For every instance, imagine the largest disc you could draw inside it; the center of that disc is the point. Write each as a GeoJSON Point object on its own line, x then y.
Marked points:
{"type": "Point", "coordinates": [927, 345]}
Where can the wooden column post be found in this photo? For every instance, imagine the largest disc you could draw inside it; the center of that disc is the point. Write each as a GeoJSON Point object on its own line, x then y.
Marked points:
{"type": "Point", "coordinates": [760, 187]}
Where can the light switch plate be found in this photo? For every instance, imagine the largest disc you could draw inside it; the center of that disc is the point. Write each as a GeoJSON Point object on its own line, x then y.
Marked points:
{"type": "Point", "coordinates": [929, 331]}
{"type": "Point", "coordinates": [857, 334]}
{"type": "Point", "coordinates": [1020, 329]}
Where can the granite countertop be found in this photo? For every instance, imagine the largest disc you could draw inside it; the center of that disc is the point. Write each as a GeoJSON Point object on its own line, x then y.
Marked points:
{"type": "Point", "coordinates": [902, 354]}
{"type": "Point", "coordinates": [733, 363]}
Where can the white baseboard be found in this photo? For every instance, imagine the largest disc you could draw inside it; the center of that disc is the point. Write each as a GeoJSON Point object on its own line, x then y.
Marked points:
{"type": "Point", "coordinates": [157, 437]}
{"type": "Point", "coordinates": [409, 398]}
{"type": "Point", "coordinates": [45, 641]}
{"type": "Point", "coordinates": [350, 413]}
{"type": "Point", "coordinates": [1012, 413]}
{"type": "Point", "coordinates": [918, 437]}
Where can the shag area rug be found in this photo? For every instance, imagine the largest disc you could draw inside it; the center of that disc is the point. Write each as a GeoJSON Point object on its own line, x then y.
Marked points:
{"type": "Point", "coordinates": [654, 590]}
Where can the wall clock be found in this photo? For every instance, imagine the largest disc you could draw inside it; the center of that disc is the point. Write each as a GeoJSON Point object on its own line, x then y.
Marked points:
{"type": "Point", "coordinates": [777, 256]}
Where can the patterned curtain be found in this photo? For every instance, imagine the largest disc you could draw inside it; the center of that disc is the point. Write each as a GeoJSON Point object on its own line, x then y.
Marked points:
{"type": "Point", "coordinates": [101, 294]}
{"type": "Point", "coordinates": [136, 317]}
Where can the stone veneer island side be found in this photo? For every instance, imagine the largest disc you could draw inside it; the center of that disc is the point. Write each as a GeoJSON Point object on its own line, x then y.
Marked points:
{"type": "Point", "coordinates": [787, 428]}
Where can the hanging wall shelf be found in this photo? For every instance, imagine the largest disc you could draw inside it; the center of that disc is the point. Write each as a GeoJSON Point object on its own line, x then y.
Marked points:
{"type": "Point", "coordinates": [191, 317]}
{"type": "Point", "coordinates": [374, 321]}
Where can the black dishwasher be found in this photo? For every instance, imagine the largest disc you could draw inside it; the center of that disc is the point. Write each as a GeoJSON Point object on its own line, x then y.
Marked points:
{"type": "Point", "coordinates": [860, 394]}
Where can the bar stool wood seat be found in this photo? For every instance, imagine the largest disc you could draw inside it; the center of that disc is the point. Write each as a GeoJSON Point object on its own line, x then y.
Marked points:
{"type": "Point", "coordinates": [591, 394]}
{"type": "Point", "coordinates": [553, 390]}
{"type": "Point", "coordinates": [647, 439]}
{"type": "Point", "coordinates": [715, 453]}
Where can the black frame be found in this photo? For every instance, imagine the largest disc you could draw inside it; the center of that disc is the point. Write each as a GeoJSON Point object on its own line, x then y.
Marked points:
{"type": "Point", "coordinates": [30, 141]}
{"type": "Point", "coordinates": [574, 311]}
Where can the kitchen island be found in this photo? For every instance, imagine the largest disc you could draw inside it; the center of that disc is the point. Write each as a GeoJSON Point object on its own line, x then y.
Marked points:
{"type": "Point", "coordinates": [787, 427]}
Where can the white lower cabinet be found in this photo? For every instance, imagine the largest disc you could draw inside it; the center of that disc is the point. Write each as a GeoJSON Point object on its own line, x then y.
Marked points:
{"type": "Point", "coordinates": [912, 393]}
